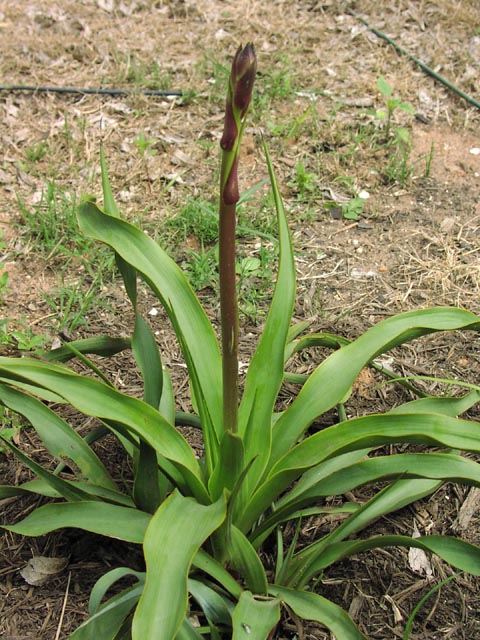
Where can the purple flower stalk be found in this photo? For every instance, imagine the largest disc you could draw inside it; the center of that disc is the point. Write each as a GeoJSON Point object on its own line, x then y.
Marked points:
{"type": "Point", "coordinates": [240, 87]}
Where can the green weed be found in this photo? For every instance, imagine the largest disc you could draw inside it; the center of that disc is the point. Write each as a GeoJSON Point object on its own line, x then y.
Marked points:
{"type": "Point", "coordinates": [3, 283]}
{"type": "Point", "coordinates": [10, 425]}
{"type": "Point", "coordinates": [392, 104]}
{"type": "Point", "coordinates": [18, 335]}
{"type": "Point", "coordinates": [145, 145]}
{"type": "Point", "coordinates": [304, 183]}
{"type": "Point", "coordinates": [353, 209]}
{"type": "Point", "coordinates": [201, 267]}
{"type": "Point", "coordinates": [36, 151]}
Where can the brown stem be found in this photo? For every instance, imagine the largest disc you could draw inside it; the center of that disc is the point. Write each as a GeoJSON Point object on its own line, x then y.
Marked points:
{"type": "Point", "coordinates": [229, 315]}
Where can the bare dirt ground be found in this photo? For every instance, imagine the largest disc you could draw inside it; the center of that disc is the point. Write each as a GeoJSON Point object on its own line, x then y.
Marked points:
{"type": "Point", "coordinates": [416, 243]}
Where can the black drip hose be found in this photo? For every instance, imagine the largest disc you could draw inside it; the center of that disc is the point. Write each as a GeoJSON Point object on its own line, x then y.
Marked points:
{"type": "Point", "coordinates": [106, 92]}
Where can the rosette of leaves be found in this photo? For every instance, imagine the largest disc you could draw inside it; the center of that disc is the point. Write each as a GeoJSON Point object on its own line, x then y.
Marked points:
{"type": "Point", "coordinates": [204, 524]}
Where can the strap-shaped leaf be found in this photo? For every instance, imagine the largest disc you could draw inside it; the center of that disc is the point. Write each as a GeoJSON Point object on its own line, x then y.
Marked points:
{"type": "Point", "coordinates": [436, 466]}
{"type": "Point", "coordinates": [107, 622]}
{"type": "Point", "coordinates": [332, 380]}
{"type": "Point", "coordinates": [108, 520]}
{"type": "Point", "coordinates": [171, 287]}
{"type": "Point", "coordinates": [298, 497]}
{"type": "Point", "coordinates": [100, 346]}
{"type": "Point", "coordinates": [146, 490]}
{"type": "Point", "coordinates": [265, 373]}
{"type": "Point", "coordinates": [59, 438]}
{"type": "Point", "coordinates": [68, 490]}
{"type": "Point", "coordinates": [104, 583]}
{"type": "Point", "coordinates": [97, 399]}
{"type": "Point", "coordinates": [305, 564]}
{"type": "Point", "coordinates": [229, 466]}
{"type": "Point", "coordinates": [311, 606]}
{"type": "Point", "coordinates": [213, 568]}
{"type": "Point", "coordinates": [458, 553]}
{"type": "Point", "coordinates": [355, 434]}
{"type": "Point", "coordinates": [175, 534]}
{"type": "Point", "coordinates": [255, 617]}
{"type": "Point", "coordinates": [448, 406]}
{"type": "Point", "coordinates": [329, 340]}
{"type": "Point", "coordinates": [215, 607]}
{"type": "Point", "coordinates": [44, 488]}
{"type": "Point", "coordinates": [244, 559]}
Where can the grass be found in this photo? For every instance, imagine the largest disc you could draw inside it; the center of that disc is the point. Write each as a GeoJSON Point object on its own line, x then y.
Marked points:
{"type": "Point", "coordinates": [49, 229]}
{"type": "Point", "coordinates": [197, 223]}
{"type": "Point", "coordinates": [131, 69]}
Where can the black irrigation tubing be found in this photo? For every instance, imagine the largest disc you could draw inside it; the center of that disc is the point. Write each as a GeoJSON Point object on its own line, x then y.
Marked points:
{"type": "Point", "coordinates": [418, 62]}
{"type": "Point", "coordinates": [105, 92]}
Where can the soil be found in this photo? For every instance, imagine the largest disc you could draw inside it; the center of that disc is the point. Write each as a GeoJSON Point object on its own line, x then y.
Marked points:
{"type": "Point", "coordinates": [416, 243]}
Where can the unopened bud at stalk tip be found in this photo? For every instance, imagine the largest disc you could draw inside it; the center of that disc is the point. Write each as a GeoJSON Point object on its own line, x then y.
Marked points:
{"type": "Point", "coordinates": [240, 88]}
{"type": "Point", "coordinates": [244, 69]}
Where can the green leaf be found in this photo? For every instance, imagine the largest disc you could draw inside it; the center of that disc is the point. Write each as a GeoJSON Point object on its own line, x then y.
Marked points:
{"type": "Point", "coordinates": [358, 433]}
{"type": "Point", "coordinates": [68, 490]}
{"type": "Point", "coordinates": [171, 287]}
{"type": "Point", "coordinates": [117, 410]}
{"type": "Point", "coordinates": [379, 430]}
{"type": "Point", "coordinates": [314, 476]}
{"type": "Point", "coordinates": [439, 466]}
{"type": "Point", "coordinates": [146, 489]}
{"type": "Point", "coordinates": [199, 401]}
{"type": "Point", "coordinates": [310, 606]}
{"type": "Point", "coordinates": [334, 377]}
{"type": "Point", "coordinates": [459, 554]}
{"type": "Point", "coordinates": [216, 608]}
{"type": "Point", "coordinates": [172, 540]}
{"type": "Point", "coordinates": [447, 406]}
{"type": "Point", "coordinates": [245, 560]}
{"type": "Point", "coordinates": [254, 617]}
{"type": "Point", "coordinates": [384, 87]}
{"type": "Point", "coordinates": [109, 619]}
{"type": "Point", "coordinates": [300, 495]}
{"type": "Point", "coordinates": [204, 562]}
{"type": "Point", "coordinates": [229, 467]}
{"type": "Point", "coordinates": [148, 360]}
{"type": "Point", "coordinates": [310, 560]}
{"type": "Point", "coordinates": [104, 583]}
{"type": "Point", "coordinates": [60, 439]}
{"type": "Point", "coordinates": [44, 488]}
{"type": "Point", "coordinates": [105, 519]}
{"type": "Point", "coordinates": [288, 514]}
{"type": "Point", "coordinates": [408, 108]}
{"type": "Point", "coordinates": [100, 346]}
{"type": "Point", "coordinates": [328, 340]}
{"type": "Point", "coordinates": [265, 373]}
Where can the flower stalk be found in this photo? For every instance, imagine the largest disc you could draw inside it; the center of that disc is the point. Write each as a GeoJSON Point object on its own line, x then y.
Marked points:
{"type": "Point", "coordinates": [239, 95]}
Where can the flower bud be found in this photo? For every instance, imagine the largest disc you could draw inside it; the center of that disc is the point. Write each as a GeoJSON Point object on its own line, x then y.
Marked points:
{"type": "Point", "coordinates": [244, 69]}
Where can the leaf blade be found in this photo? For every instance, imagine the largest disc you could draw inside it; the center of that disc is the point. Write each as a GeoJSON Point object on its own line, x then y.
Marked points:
{"type": "Point", "coordinates": [171, 287]}
{"type": "Point", "coordinates": [182, 525]}
{"type": "Point", "coordinates": [326, 387]}
{"type": "Point", "coordinates": [311, 606]}
{"type": "Point", "coordinates": [113, 521]}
